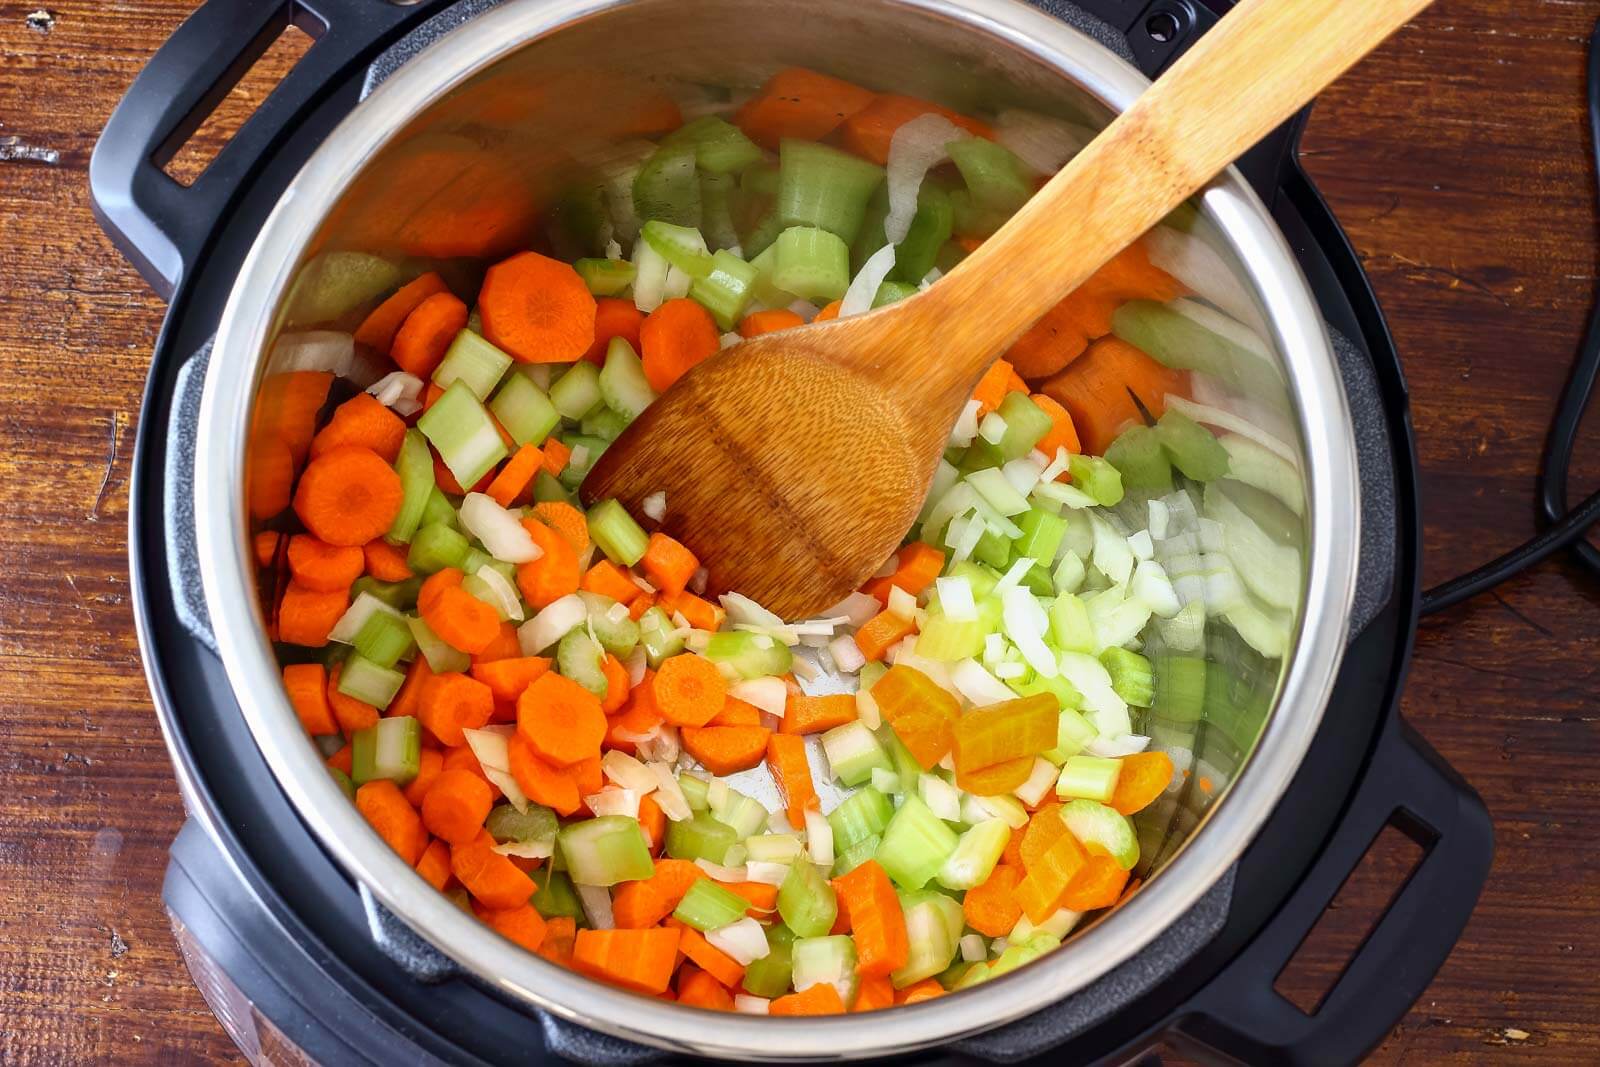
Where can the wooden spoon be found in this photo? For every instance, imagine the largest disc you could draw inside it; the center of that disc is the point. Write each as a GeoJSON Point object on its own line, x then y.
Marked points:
{"type": "Point", "coordinates": [794, 463]}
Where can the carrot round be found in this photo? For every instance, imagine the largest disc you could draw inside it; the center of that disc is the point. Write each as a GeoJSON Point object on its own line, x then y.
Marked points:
{"type": "Point", "coordinates": [455, 807]}
{"type": "Point", "coordinates": [507, 678]}
{"type": "Point", "coordinates": [384, 561]}
{"type": "Point", "coordinates": [288, 408]}
{"type": "Point", "coordinates": [640, 960]}
{"type": "Point", "coordinates": [434, 866]}
{"type": "Point", "coordinates": [688, 690]}
{"type": "Point", "coordinates": [676, 336]}
{"type": "Point", "coordinates": [786, 759]}
{"type": "Point", "coordinates": [616, 684]}
{"type": "Point", "coordinates": [876, 921]}
{"type": "Point", "coordinates": [565, 520]}
{"type": "Point", "coordinates": [427, 334]}
{"type": "Point", "coordinates": [1099, 386]}
{"type": "Point", "coordinates": [523, 925]}
{"type": "Point", "coordinates": [492, 879]}
{"type": "Point", "coordinates": [698, 989]}
{"type": "Point", "coordinates": [430, 765]}
{"type": "Point", "coordinates": [379, 328]}
{"type": "Point", "coordinates": [588, 776]}
{"type": "Point", "coordinates": [1098, 884]}
{"type": "Point", "coordinates": [770, 321]}
{"type": "Point", "coordinates": [991, 907]}
{"type": "Point", "coordinates": [668, 564]}
{"type": "Point", "coordinates": [307, 686]}
{"type": "Point", "coordinates": [362, 422]}
{"type": "Point", "coordinates": [350, 713]}
{"type": "Point", "coordinates": [348, 496]}
{"type": "Point", "coordinates": [554, 574]}
{"type": "Point", "coordinates": [435, 585]}
{"type": "Point", "coordinates": [537, 309]}
{"type": "Point", "coordinates": [726, 749]}
{"type": "Point", "coordinates": [322, 567]}
{"type": "Point", "coordinates": [700, 613]}
{"type": "Point", "coordinates": [452, 703]}
{"type": "Point", "coordinates": [817, 1000]}
{"type": "Point", "coordinates": [305, 616]}
{"type": "Point", "coordinates": [561, 720]}
{"type": "Point", "coordinates": [269, 476]}
{"type": "Point", "coordinates": [1144, 776]}
{"type": "Point", "coordinates": [384, 807]}
{"type": "Point", "coordinates": [504, 646]}
{"type": "Point", "coordinates": [796, 102]}
{"type": "Point", "coordinates": [613, 318]}
{"type": "Point", "coordinates": [542, 783]}
{"type": "Point", "coordinates": [461, 757]}
{"type": "Point", "coordinates": [608, 579]}
{"type": "Point", "coordinates": [736, 712]}
{"type": "Point", "coordinates": [461, 620]}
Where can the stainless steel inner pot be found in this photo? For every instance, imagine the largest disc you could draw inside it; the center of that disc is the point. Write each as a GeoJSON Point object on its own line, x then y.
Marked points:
{"type": "Point", "coordinates": [500, 112]}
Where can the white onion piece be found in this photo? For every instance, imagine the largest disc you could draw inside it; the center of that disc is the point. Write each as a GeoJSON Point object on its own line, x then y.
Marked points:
{"type": "Point", "coordinates": [507, 602]}
{"type": "Point", "coordinates": [745, 1004]}
{"type": "Point", "coordinates": [395, 387]}
{"type": "Point", "coordinates": [721, 873]}
{"type": "Point", "coordinates": [804, 669]}
{"type": "Point", "coordinates": [405, 408]}
{"type": "Point", "coordinates": [1158, 517]}
{"type": "Point", "coordinates": [655, 505]}
{"type": "Point", "coordinates": [1042, 142]}
{"type": "Point", "coordinates": [973, 680]}
{"type": "Point", "coordinates": [1141, 545]}
{"type": "Point", "coordinates": [805, 309]}
{"type": "Point", "coordinates": [319, 350]}
{"type": "Point", "coordinates": [1151, 585]}
{"type": "Point", "coordinates": [628, 772]}
{"type": "Point", "coordinates": [669, 795]}
{"type": "Point", "coordinates": [1026, 623]}
{"type": "Point", "coordinates": [864, 287]}
{"type": "Point", "coordinates": [819, 838]}
{"type": "Point", "coordinates": [745, 941]}
{"type": "Point", "coordinates": [766, 873]}
{"type": "Point", "coordinates": [500, 531]}
{"type": "Point", "coordinates": [770, 694]}
{"type": "Point", "coordinates": [867, 709]}
{"type": "Point", "coordinates": [597, 906]}
{"type": "Point", "coordinates": [973, 948]}
{"type": "Point", "coordinates": [728, 340]}
{"type": "Point", "coordinates": [664, 747]}
{"type": "Point", "coordinates": [552, 624]}
{"type": "Point", "coordinates": [636, 664]}
{"type": "Point", "coordinates": [941, 797]}
{"type": "Point", "coordinates": [490, 746]}
{"type": "Point", "coordinates": [614, 801]}
{"type": "Point", "coordinates": [677, 285]}
{"type": "Point", "coordinates": [856, 609]}
{"type": "Point", "coordinates": [1013, 576]}
{"type": "Point", "coordinates": [846, 654]}
{"type": "Point", "coordinates": [1040, 780]}
{"type": "Point", "coordinates": [741, 609]}
{"type": "Point", "coordinates": [1056, 467]}
{"type": "Point", "coordinates": [955, 599]}
{"type": "Point", "coordinates": [527, 850]}
{"type": "Point", "coordinates": [902, 603]}
{"type": "Point", "coordinates": [966, 427]}
{"type": "Point", "coordinates": [1007, 671]}
{"type": "Point", "coordinates": [916, 147]}
{"type": "Point", "coordinates": [1117, 747]}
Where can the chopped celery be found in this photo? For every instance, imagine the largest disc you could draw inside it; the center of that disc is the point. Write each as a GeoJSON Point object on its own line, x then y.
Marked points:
{"type": "Point", "coordinates": [1131, 676]}
{"type": "Point", "coordinates": [695, 791]}
{"type": "Point", "coordinates": [993, 487]}
{"type": "Point", "coordinates": [749, 655]}
{"type": "Point", "coordinates": [524, 410]}
{"type": "Point", "coordinates": [699, 838]}
{"type": "Point", "coordinates": [1073, 732]}
{"type": "Point", "coordinates": [770, 975]}
{"type": "Point", "coordinates": [618, 536]}
{"type": "Point", "coordinates": [1097, 478]}
{"type": "Point", "coordinates": [475, 559]}
{"type": "Point", "coordinates": [892, 293]}
{"type": "Point", "coordinates": [606, 850]}
{"type": "Point", "coordinates": [811, 263]}
{"type": "Point", "coordinates": [474, 361]}
{"type": "Point", "coordinates": [384, 639]}
{"type": "Point", "coordinates": [555, 896]}
{"type": "Point", "coordinates": [717, 192]}
{"type": "Point", "coordinates": [578, 466]}
{"type": "Point", "coordinates": [660, 638]}
{"type": "Point", "coordinates": [537, 824]}
{"type": "Point", "coordinates": [992, 549]}
{"type": "Point", "coordinates": [915, 845]}
{"type": "Point", "coordinates": [681, 246]}
{"type": "Point", "coordinates": [1187, 336]}
{"type": "Point", "coordinates": [605, 277]}
{"type": "Point", "coordinates": [401, 596]}
{"type": "Point", "coordinates": [547, 489]}
{"type": "Point", "coordinates": [435, 547]}
{"type": "Point", "coordinates": [930, 228]}
{"type": "Point", "coordinates": [981, 578]}
{"type": "Point", "coordinates": [726, 289]}
{"type": "Point", "coordinates": [666, 187]}
{"type": "Point", "coordinates": [820, 960]}
{"type": "Point", "coordinates": [604, 423]}
{"type": "Point", "coordinates": [342, 780]}
{"type": "Point", "coordinates": [719, 146]}
{"type": "Point", "coordinates": [1089, 777]}
{"type": "Point", "coordinates": [773, 848]}
{"type": "Point", "coordinates": [623, 386]}
{"type": "Point", "coordinates": [577, 391]}
{"type": "Point", "coordinates": [609, 621]}
{"type": "Point", "coordinates": [870, 236]}
{"type": "Point", "coordinates": [806, 901]}
{"type": "Point", "coordinates": [932, 944]}
{"type": "Point", "coordinates": [368, 682]}
{"type": "Point", "coordinates": [763, 287]}
{"type": "Point", "coordinates": [848, 860]}
{"type": "Point", "coordinates": [1036, 580]}
{"type": "Point", "coordinates": [995, 177]}
{"type": "Point", "coordinates": [415, 467]}
{"type": "Point", "coordinates": [732, 808]}
{"type": "Point", "coordinates": [755, 215]}
{"type": "Point", "coordinates": [824, 187]}
{"type": "Point", "coordinates": [708, 906]}
{"type": "Point", "coordinates": [439, 510]}
{"type": "Point", "coordinates": [906, 768]}
{"type": "Point", "coordinates": [580, 658]}
{"type": "Point", "coordinates": [1179, 687]}
{"type": "Point", "coordinates": [442, 658]}
{"type": "Point", "coordinates": [1042, 532]}
{"type": "Point", "coordinates": [1026, 425]}
{"type": "Point", "coordinates": [948, 640]}
{"type": "Point", "coordinates": [390, 748]}
{"type": "Point", "coordinates": [1070, 626]}
{"type": "Point", "coordinates": [1104, 829]}
{"type": "Point", "coordinates": [463, 433]}
{"type": "Point", "coordinates": [1193, 449]}
{"type": "Point", "coordinates": [1015, 956]}
{"type": "Point", "coordinates": [861, 815]}
{"type": "Point", "coordinates": [1139, 458]}
{"type": "Point", "coordinates": [976, 853]}
{"type": "Point", "coordinates": [853, 752]}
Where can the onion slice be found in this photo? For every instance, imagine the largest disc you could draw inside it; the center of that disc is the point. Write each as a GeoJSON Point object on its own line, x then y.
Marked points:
{"type": "Point", "coordinates": [500, 531]}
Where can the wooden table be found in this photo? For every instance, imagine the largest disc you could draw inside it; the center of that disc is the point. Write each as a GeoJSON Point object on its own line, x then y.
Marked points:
{"type": "Point", "coordinates": [1457, 160]}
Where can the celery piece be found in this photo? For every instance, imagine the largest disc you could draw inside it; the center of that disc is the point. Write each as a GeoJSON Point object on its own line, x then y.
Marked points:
{"type": "Point", "coordinates": [806, 901]}
{"type": "Point", "coordinates": [536, 825]}
{"type": "Point", "coordinates": [980, 578]}
{"type": "Point", "coordinates": [695, 791]}
{"type": "Point", "coordinates": [442, 658]}
{"type": "Point", "coordinates": [948, 640]}
{"type": "Point", "coordinates": [744, 814]}
{"type": "Point", "coordinates": [1131, 676]}
{"type": "Point", "coordinates": [824, 960]}
{"type": "Point", "coordinates": [870, 237]}
{"type": "Point", "coordinates": [476, 558]}
{"type": "Point", "coordinates": [749, 655]}
{"type": "Point", "coordinates": [1178, 689]}
{"type": "Point", "coordinates": [1200, 340]}
{"type": "Point", "coordinates": [708, 906]}
{"type": "Point", "coordinates": [606, 850]}
{"type": "Point", "coordinates": [849, 859]}
{"type": "Point", "coordinates": [1036, 580]}
{"type": "Point", "coordinates": [992, 549]}
{"type": "Point", "coordinates": [892, 292]}
{"type": "Point", "coordinates": [771, 974]}
{"type": "Point", "coordinates": [580, 657]}
{"type": "Point", "coordinates": [681, 246]}
{"type": "Point", "coordinates": [1042, 532]}
{"type": "Point", "coordinates": [474, 361]}
{"type": "Point", "coordinates": [577, 391]}
{"type": "Point", "coordinates": [755, 215]}
{"type": "Point", "coordinates": [610, 623]}
{"type": "Point", "coordinates": [979, 456]}
{"type": "Point", "coordinates": [605, 277]}
{"type": "Point", "coordinates": [811, 263]}
{"type": "Point", "coordinates": [369, 682]}
{"type": "Point", "coordinates": [1097, 478]}
{"type": "Point", "coordinates": [1037, 944]}
{"type": "Point", "coordinates": [853, 751]}
{"type": "Point", "coordinates": [863, 814]}
{"type": "Point", "coordinates": [717, 192]}
{"type": "Point", "coordinates": [1026, 425]}
{"type": "Point", "coordinates": [1070, 626]}
{"type": "Point", "coordinates": [435, 547]}
{"type": "Point", "coordinates": [906, 767]}
{"type": "Point", "coordinates": [993, 487]}
{"type": "Point", "coordinates": [547, 488]}
{"type": "Point", "coordinates": [555, 896]}
{"type": "Point", "coordinates": [700, 838]}
{"type": "Point", "coordinates": [384, 639]}
{"type": "Point", "coordinates": [464, 434]}
{"type": "Point", "coordinates": [915, 845]}
{"type": "Point", "coordinates": [666, 187]}
{"type": "Point", "coordinates": [1066, 694]}
{"type": "Point", "coordinates": [976, 853]}
{"type": "Point", "coordinates": [824, 187]}
{"type": "Point", "coordinates": [390, 748]}
{"type": "Point", "coordinates": [719, 146]}
{"type": "Point", "coordinates": [659, 636]}
{"type": "Point", "coordinates": [439, 510]}
{"type": "Point", "coordinates": [930, 228]}
{"type": "Point", "coordinates": [1089, 777]}
{"type": "Point", "coordinates": [995, 177]}
{"type": "Point", "coordinates": [400, 595]}
{"type": "Point", "coordinates": [619, 537]}
{"type": "Point", "coordinates": [415, 467]}
{"type": "Point", "coordinates": [578, 466]}
{"type": "Point", "coordinates": [773, 848]}
{"type": "Point", "coordinates": [604, 423]}
{"type": "Point", "coordinates": [726, 289]}
{"type": "Point", "coordinates": [763, 287]}
{"type": "Point", "coordinates": [928, 934]}
{"type": "Point", "coordinates": [1193, 449]}
{"type": "Point", "coordinates": [623, 386]}
{"type": "Point", "coordinates": [1103, 827]}
{"type": "Point", "coordinates": [342, 780]}
{"type": "Point", "coordinates": [1138, 456]}
{"type": "Point", "coordinates": [1073, 731]}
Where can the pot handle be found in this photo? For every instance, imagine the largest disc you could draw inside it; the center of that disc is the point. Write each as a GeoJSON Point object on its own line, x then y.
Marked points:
{"type": "Point", "coordinates": [155, 221]}
{"type": "Point", "coordinates": [1239, 1014]}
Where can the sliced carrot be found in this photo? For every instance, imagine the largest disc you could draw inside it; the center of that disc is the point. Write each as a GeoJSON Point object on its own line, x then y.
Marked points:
{"type": "Point", "coordinates": [667, 564]}
{"type": "Point", "coordinates": [1012, 729]}
{"type": "Point", "coordinates": [613, 318]}
{"type": "Point", "coordinates": [463, 758]}
{"type": "Point", "coordinates": [1098, 885]}
{"type": "Point", "coordinates": [521, 924]}
{"type": "Point", "coordinates": [786, 759]}
{"type": "Point", "coordinates": [616, 684]}
{"type": "Point", "coordinates": [737, 713]}
{"type": "Point", "coordinates": [505, 645]}
{"type": "Point", "coordinates": [1012, 853]}
{"type": "Point", "coordinates": [537, 309]}
{"type": "Point", "coordinates": [699, 612]}
{"type": "Point", "coordinates": [640, 960]}
{"type": "Point", "coordinates": [307, 686]}
{"type": "Point", "coordinates": [377, 331]}
{"type": "Point", "coordinates": [565, 520]}
{"type": "Point", "coordinates": [516, 475]}
{"type": "Point", "coordinates": [269, 476]}
{"type": "Point", "coordinates": [645, 902]}
{"type": "Point", "coordinates": [265, 544]}
{"type": "Point", "coordinates": [674, 338]}
{"type": "Point", "coordinates": [927, 989]}
{"type": "Point", "coordinates": [427, 334]}
{"type": "Point", "coordinates": [653, 821]}
{"type": "Point", "coordinates": [1144, 776]}
{"type": "Point", "coordinates": [321, 567]}
{"type": "Point", "coordinates": [709, 958]}
{"type": "Point", "coordinates": [348, 496]}
{"type": "Point", "coordinates": [874, 994]}
{"type": "Point", "coordinates": [881, 632]}
{"type": "Point", "coordinates": [361, 422]}
{"type": "Point", "coordinates": [641, 604]}
{"type": "Point", "coordinates": [726, 749]}
{"type": "Point", "coordinates": [608, 579]}
{"type": "Point", "coordinates": [542, 783]}
{"type": "Point", "coordinates": [288, 409]}
{"type": "Point", "coordinates": [763, 898]}
{"type": "Point", "coordinates": [342, 759]}
{"type": "Point", "coordinates": [409, 699]}
{"type": "Point", "coordinates": [698, 989]}
{"type": "Point", "coordinates": [829, 311]}
{"type": "Point", "coordinates": [877, 923]}
{"type": "Point", "coordinates": [306, 616]}
{"type": "Point", "coordinates": [452, 703]}
{"type": "Point", "coordinates": [492, 879]}
{"type": "Point", "coordinates": [1062, 433]}
{"type": "Point", "coordinates": [997, 778]}
{"type": "Point", "coordinates": [350, 713]}
{"type": "Point", "coordinates": [587, 776]}
{"type": "Point", "coordinates": [384, 561]}
{"type": "Point", "coordinates": [508, 678]}
{"type": "Point", "coordinates": [812, 715]}
{"type": "Point", "coordinates": [455, 807]}
{"type": "Point", "coordinates": [991, 907]}
{"type": "Point", "coordinates": [384, 807]}
{"type": "Point", "coordinates": [559, 933]}
{"type": "Point", "coordinates": [689, 690]}
{"type": "Point", "coordinates": [434, 865]}
{"type": "Point", "coordinates": [922, 713]}
{"type": "Point", "coordinates": [993, 386]}
{"type": "Point", "coordinates": [1098, 390]}
{"type": "Point", "coordinates": [770, 321]}
{"type": "Point", "coordinates": [1041, 890]}
{"type": "Point", "coordinates": [430, 764]}
{"type": "Point", "coordinates": [868, 132]}
{"type": "Point", "coordinates": [561, 720]}
{"type": "Point", "coordinates": [817, 1000]}
{"type": "Point", "coordinates": [554, 574]}
{"type": "Point", "coordinates": [435, 584]}
{"type": "Point", "coordinates": [916, 566]}
{"type": "Point", "coordinates": [556, 454]}
{"type": "Point", "coordinates": [801, 103]}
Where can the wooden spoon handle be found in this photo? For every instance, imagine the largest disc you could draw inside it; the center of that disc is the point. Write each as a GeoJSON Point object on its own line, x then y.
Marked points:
{"type": "Point", "coordinates": [1253, 70]}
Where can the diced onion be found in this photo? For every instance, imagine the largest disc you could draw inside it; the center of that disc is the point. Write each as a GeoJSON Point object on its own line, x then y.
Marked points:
{"type": "Point", "coordinates": [745, 941]}
{"type": "Point", "coordinates": [766, 872]}
{"type": "Point", "coordinates": [770, 694]}
{"type": "Point", "coordinates": [528, 850]}
{"type": "Point", "coordinates": [941, 797]}
{"type": "Point", "coordinates": [1023, 474]}
{"type": "Point", "coordinates": [955, 599]}
{"type": "Point", "coordinates": [677, 284]}
{"type": "Point", "coordinates": [552, 624]}
{"type": "Point", "coordinates": [1039, 782]}
{"type": "Point", "coordinates": [669, 795]}
{"type": "Point", "coordinates": [819, 838]}
{"type": "Point", "coordinates": [1056, 467]}
{"type": "Point", "coordinates": [867, 709]}
{"type": "Point", "coordinates": [966, 427]}
{"type": "Point", "coordinates": [1141, 545]}
{"type": "Point", "coordinates": [741, 609]}
{"type": "Point", "coordinates": [501, 532]}
{"type": "Point", "coordinates": [628, 772]}
{"type": "Point", "coordinates": [1041, 141]}
{"type": "Point", "coordinates": [394, 387]}
{"type": "Point", "coordinates": [1117, 747]}
{"type": "Point", "coordinates": [356, 615]}
{"type": "Point", "coordinates": [1151, 585]}
{"type": "Point", "coordinates": [654, 505]}
{"type": "Point", "coordinates": [973, 948]}
{"type": "Point", "coordinates": [847, 656]}
{"type": "Point", "coordinates": [805, 309]}
{"type": "Point", "coordinates": [1013, 576]}
{"type": "Point", "coordinates": [864, 288]}
{"type": "Point", "coordinates": [902, 603]}
{"type": "Point", "coordinates": [1026, 623]}
{"type": "Point", "coordinates": [856, 609]}
{"type": "Point", "coordinates": [1158, 516]}
{"type": "Point", "coordinates": [729, 339]}
{"type": "Point", "coordinates": [916, 147]}
{"type": "Point", "coordinates": [721, 873]}
{"type": "Point", "coordinates": [663, 747]}
{"type": "Point", "coordinates": [974, 682]}
{"type": "Point", "coordinates": [636, 665]}
{"type": "Point", "coordinates": [748, 1005]}
{"type": "Point", "coordinates": [490, 747]}
{"type": "Point", "coordinates": [993, 428]}
{"type": "Point", "coordinates": [596, 906]}
{"type": "Point", "coordinates": [319, 350]}
{"type": "Point", "coordinates": [614, 801]}
{"type": "Point", "coordinates": [507, 603]}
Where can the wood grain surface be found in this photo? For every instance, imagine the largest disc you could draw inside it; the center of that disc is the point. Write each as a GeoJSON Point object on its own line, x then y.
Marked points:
{"type": "Point", "coordinates": [1457, 159]}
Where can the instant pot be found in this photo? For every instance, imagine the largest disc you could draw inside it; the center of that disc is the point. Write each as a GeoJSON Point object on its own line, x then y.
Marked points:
{"type": "Point", "coordinates": [313, 943]}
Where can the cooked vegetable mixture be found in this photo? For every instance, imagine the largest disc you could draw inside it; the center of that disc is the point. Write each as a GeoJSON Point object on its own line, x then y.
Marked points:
{"type": "Point", "coordinates": [537, 708]}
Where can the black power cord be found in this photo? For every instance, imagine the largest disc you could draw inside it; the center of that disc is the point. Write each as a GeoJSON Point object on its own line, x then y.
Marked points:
{"type": "Point", "coordinates": [1570, 527]}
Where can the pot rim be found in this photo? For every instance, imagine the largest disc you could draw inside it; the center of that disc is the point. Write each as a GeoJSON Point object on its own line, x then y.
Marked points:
{"type": "Point", "coordinates": [1329, 450]}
